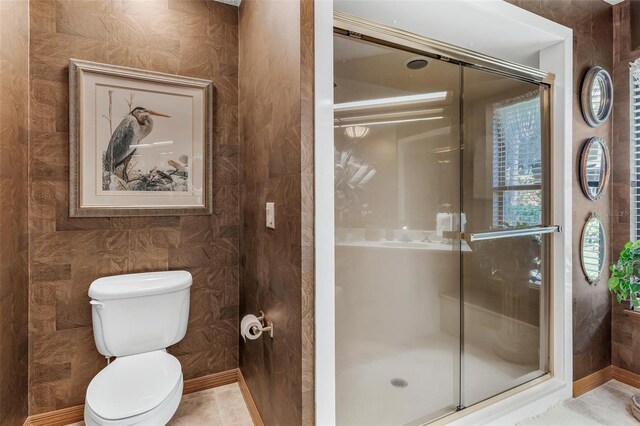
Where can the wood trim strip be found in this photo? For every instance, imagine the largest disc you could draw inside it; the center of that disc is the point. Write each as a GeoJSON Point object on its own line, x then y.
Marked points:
{"type": "Point", "coordinates": [248, 400]}
{"type": "Point", "coordinates": [60, 417]}
{"type": "Point", "coordinates": [592, 381]}
{"type": "Point", "coordinates": [210, 381]}
{"type": "Point", "coordinates": [75, 414]}
{"type": "Point", "coordinates": [625, 376]}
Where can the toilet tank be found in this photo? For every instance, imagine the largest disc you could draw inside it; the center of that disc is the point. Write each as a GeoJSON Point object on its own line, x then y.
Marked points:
{"type": "Point", "coordinates": [138, 313]}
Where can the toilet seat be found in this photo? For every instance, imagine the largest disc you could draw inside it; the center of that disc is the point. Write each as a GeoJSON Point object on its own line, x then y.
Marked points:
{"type": "Point", "coordinates": [136, 389]}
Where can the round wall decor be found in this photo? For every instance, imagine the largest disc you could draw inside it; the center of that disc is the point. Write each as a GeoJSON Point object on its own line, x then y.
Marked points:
{"type": "Point", "coordinates": [594, 168]}
{"type": "Point", "coordinates": [596, 97]}
{"type": "Point", "coordinates": [593, 246]}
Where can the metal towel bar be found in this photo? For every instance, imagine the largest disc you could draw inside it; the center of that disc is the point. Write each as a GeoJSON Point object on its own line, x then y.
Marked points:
{"type": "Point", "coordinates": [509, 233]}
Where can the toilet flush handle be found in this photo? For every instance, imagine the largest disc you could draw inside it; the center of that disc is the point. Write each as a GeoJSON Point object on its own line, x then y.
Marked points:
{"type": "Point", "coordinates": [98, 304]}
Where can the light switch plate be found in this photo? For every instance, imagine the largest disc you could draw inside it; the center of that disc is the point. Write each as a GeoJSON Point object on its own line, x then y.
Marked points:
{"type": "Point", "coordinates": [271, 215]}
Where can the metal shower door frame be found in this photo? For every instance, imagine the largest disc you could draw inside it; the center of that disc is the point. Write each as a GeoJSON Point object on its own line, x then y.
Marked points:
{"type": "Point", "coordinates": [366, 30]}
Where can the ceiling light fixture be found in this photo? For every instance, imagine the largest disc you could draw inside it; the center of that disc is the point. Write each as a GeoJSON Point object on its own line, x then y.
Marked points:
{"type": "Point", "coordinates": [356, 132]}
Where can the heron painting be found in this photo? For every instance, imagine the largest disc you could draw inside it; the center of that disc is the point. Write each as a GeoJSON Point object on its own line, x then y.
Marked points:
{"type": "Point", "coordinates": [124, 141]}
{"type": "Point", "coordinates": [125, 144]}
{"type": "Point", "coordinates": [142, 140]}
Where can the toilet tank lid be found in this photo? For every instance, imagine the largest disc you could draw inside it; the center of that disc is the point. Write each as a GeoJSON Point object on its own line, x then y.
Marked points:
{"type": "Point", "coordinates": [136, 285]}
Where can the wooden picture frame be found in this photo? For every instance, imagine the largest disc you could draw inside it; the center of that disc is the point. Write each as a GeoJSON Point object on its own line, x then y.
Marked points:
{"type": "Point", "coordinates": [141, 142]}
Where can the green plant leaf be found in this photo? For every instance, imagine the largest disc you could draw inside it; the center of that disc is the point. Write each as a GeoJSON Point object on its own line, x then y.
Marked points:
{"type": "Point", "coordinates": [624, 279]}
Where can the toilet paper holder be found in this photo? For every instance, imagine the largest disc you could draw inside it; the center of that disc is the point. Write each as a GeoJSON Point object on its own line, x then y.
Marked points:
{"type": "Point", "coordinates": [267, 326]}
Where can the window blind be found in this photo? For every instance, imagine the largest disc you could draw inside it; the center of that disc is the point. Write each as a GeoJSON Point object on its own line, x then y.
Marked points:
{"type": "Point", "coordinates": [634, 85]}
{"type": "Point", "coordinates": [517, 162]}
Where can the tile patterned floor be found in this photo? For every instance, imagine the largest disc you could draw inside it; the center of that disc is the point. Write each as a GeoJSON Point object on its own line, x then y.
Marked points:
{"type": "Point", "coordinates": [221, 406]}
{"type": "Point", "coordinates": [225, 406]}
{"type": "Point", "coordinates": [609, 404]}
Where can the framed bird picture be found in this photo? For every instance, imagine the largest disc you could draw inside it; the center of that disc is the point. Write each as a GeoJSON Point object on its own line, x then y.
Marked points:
{"type": "Point", "coordinates": [140, 142]}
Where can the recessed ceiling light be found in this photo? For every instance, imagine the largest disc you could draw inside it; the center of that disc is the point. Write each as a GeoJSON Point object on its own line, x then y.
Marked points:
{"type": "Point", "coordinates": [416, 63]}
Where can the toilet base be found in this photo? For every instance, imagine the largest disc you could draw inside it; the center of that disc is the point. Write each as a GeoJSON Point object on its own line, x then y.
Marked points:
{"type": "Point", "coordinates": [155, 417]}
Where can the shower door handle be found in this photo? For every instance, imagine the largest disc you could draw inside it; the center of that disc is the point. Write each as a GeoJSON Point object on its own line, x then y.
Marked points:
{"type": "Point", "coordinates": [509, 233]}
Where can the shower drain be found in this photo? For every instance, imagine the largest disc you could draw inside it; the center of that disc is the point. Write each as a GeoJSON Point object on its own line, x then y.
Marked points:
{"type": "Point", "coordinates": [399, 383]}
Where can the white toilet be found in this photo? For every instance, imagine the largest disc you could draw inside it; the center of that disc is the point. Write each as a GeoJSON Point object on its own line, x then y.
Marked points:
{"type": "Point", "coordinates": [135, 317]}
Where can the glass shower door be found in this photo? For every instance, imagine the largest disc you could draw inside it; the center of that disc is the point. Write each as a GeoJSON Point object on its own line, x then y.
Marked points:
{"type": "Point", "coordinates": [441, 240]}
{"type": "Point", "coordinates": [505, 279]}
{"type": "Point", "coordinates": [397, 253]}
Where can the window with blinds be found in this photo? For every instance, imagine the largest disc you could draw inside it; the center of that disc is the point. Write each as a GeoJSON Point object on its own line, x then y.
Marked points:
{"type": "Point", "coordinates": [634, 84]}
{"type": "Point", "coordinates": [517, 162]}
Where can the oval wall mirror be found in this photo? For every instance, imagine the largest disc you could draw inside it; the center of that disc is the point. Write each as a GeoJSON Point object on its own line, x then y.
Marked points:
{"type": "Point", "coordinates": [593, 248]}
{"type": "Point", "coordinates": [596, 96]}
{"type": "Point", "coordinates": [594, 168]}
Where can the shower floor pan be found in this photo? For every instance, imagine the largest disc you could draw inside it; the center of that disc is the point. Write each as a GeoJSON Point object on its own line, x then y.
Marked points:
{"type": "Point", "coordinates": [414, 383]}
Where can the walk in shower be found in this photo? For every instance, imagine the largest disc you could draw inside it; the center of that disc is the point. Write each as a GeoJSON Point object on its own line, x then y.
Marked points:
{"type": "Point", "coordinates": [442, 226]}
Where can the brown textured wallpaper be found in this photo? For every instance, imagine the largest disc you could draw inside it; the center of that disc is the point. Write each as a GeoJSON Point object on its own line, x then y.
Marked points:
{"type": "Point", "coordinates": [634, 16]}
{"type": "Point", "coordinates": [276, 140]}
{"type": "Point", "coordinates": [625, 339]}
{"type": "Point", "coordinates": [196, 38]}
{"type": "Point", "coordinates": [14, 106]}
{"type": "Point", "coordinates": [307, 208]}
{"type": "Point", "coordinates": [592, 24]}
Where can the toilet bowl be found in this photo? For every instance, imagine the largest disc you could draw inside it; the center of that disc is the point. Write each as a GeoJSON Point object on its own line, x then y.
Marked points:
{"type": "Point", "coordinates": [135, 317]}
{"type": "Point", "coordinates": [142, 389]}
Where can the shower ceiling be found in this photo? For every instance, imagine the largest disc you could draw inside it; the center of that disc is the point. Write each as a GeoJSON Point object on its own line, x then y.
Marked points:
{"type": "Point", "coordinates": [521, 46]}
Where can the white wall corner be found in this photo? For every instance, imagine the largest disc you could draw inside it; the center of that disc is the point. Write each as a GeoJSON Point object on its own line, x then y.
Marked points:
{"type": "Point", "coordinates": [325, 386]}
